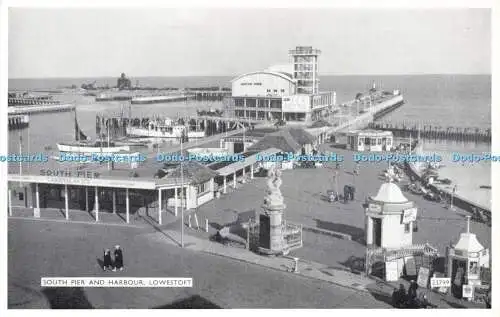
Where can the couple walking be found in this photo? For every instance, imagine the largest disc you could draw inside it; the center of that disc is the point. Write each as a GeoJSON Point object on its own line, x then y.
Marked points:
{"type": "Point", "coordinates": [118, 262]}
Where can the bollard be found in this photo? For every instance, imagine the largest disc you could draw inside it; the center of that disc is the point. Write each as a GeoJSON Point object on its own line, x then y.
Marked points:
{"type": "Point", "coordinates": [296, 265]}
{"type": "Point", "coordinates": [206, 225]}
{"type": "Point", "coordinates": [189, 221]}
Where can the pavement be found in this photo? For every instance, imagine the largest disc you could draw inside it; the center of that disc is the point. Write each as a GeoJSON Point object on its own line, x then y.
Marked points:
{"type": "Point", "coordinates": [47, 248]}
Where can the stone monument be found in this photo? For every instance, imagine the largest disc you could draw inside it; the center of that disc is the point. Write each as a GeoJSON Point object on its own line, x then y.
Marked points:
{"type": "Point", "coordinates": [271, 236]}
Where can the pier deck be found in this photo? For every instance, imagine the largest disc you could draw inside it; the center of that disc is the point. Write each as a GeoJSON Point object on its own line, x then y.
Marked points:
{"type": "Point", "coordinates": [429, 131]}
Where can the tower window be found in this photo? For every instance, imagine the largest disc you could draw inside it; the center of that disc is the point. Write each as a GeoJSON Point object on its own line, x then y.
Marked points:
{"type": "Point", "coordinates": [407, 227]}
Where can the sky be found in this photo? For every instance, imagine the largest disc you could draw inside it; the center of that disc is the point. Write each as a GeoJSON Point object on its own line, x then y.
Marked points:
{"type": "Point", "coordinates": [86, 42]}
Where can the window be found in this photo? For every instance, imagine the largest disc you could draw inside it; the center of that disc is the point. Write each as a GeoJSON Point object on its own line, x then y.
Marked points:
{"type": "Point", "coordinates": [275, 91]}
{"type": "Point", "coordinates": [282, 90]}
{"type": "Point", "coordinates": [407, 227]}
{"type": "Point", "coordinates": [374, 141]}
{"type": "Point", "coordinates": [361, 140]}
{"type": "Point", "coordinates": [203, 188]}
{"type": "Point", "coordinates": [379, 141]}
{"type": "Point", "coordinates": [269, 90]}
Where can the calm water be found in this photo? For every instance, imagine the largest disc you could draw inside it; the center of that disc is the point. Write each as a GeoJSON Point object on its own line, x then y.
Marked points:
{"type": "Point", "coordinates": [447, 100]}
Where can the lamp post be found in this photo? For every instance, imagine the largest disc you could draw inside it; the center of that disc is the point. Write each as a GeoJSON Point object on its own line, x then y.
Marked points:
{"type": "Point", "coordinates": [182, 193]}
{"type": "Point", "coordinates": [451, 198]}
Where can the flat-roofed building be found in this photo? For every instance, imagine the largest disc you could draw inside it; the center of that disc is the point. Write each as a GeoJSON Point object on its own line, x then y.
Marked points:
{"type": "Point", "coordinates": [283, 93]}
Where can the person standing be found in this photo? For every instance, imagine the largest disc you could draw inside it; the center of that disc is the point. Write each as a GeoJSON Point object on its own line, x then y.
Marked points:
{"type": "Point", "coordinates": [412, 293]}
{"type": "Point", "coordinates": [107, 260]}
{"type": "Point", "coordinates": [118, 259]}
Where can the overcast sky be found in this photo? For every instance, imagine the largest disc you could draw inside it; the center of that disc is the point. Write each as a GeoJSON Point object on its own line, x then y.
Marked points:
{"type": "Point", "coordinates": [186, 42]}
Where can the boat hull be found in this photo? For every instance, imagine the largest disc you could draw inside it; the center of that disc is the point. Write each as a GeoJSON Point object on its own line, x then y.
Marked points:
{"type": "Point", "coordinates": [91, 149]}
{"type": "Point", "coordinates": [174, 134]}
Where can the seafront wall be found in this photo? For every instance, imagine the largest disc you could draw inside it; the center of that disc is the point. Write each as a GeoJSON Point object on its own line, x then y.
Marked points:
{"type": "Point", "coordinates": [458, 201]}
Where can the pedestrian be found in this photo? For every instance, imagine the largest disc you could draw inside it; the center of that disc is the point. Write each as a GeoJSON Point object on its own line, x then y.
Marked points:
{"type": "Point", "coordinates": [412, 293]}
{"type": "Point", "coordinates": [107, 263]}
{"type": "Point", "coordinates": [118, 259]}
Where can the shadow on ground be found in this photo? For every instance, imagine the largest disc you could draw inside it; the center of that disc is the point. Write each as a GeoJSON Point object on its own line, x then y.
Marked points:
{"type": "Point", "coordinates": [354, 264]}
{"type": "Point", "coordinates": [357, 234]}
{"type": "Point", "coordinates": [67, 298]}
{"type": "Point", "coordinates": [193, 302]}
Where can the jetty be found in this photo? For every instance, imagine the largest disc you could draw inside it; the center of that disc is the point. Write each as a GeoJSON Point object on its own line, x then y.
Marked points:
{"type": "Point", "coordinates": [430, 131]}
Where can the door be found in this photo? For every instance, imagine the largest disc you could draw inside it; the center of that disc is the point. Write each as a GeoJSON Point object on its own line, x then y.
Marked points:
{"type": "Point", "coordinates": [377, 232]}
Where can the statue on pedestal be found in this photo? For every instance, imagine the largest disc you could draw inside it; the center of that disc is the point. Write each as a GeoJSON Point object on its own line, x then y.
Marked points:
{"type": "Point", "coordinates": [273, 197]}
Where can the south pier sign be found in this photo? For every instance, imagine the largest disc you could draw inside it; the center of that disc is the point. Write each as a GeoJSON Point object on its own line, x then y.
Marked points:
{"type": "Point", "coordinates": [69, 173]}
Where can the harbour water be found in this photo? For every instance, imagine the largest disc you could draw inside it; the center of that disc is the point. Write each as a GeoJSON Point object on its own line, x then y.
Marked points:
{"type": "Point", "coordinates": [444, 100]}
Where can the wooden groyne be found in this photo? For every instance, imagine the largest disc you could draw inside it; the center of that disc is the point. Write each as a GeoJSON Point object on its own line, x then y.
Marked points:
{"type": "Point", "coordinates": [429, 131]}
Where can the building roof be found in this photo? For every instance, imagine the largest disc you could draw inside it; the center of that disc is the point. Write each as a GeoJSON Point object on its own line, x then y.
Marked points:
{"type": "Point", "coordinates": [390, 193]}
{"type": "Point", "coordinates": [282, 140]}
{"type": "Point", "coordinates": [468, 242]}
{"type": "Point", "coordinates": [192, 170]}
{"type": "Point", "coordinates": [301, 136]}
{"type": "Point", "coordinates": [321, 123]}
{"type": "Point", "coordinates": [279, 74]}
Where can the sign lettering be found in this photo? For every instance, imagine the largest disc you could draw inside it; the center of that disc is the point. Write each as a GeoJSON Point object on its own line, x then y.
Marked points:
{"type": "Point", "coordinates": [440, 282]}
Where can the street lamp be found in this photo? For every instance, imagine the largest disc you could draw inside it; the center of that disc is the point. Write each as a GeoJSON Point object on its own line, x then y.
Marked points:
{"type": "Point", "coordinates": [182, 193]}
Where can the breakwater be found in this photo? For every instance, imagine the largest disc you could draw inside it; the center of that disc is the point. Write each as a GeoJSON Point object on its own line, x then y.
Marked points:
{"type": "Point", "coordinates": [17, 110]}
{"type": "Point", "coordinates": [418, 129]}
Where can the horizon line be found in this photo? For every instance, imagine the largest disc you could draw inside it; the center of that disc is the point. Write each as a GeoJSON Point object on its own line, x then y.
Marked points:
{"type": "Point", "coordinates": [324, 74]}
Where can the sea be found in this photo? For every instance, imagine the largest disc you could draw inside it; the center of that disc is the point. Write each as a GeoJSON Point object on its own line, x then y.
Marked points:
{"type": "Point", "coordinates": [445, 100]}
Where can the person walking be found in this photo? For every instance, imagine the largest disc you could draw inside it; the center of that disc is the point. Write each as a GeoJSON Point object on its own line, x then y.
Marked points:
{"type": "Point", "coordinates": [118, 259]}
{"type": "Point", "coordinates": [412, 294]}
{"type": "Point", "coordinates": [107, 263]}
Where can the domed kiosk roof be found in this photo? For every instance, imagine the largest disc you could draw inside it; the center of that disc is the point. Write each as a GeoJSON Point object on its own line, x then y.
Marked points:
{"type": "Point", "coordinates": [468, 242]}
{"type": "Point", "coordinates": [390, 193]}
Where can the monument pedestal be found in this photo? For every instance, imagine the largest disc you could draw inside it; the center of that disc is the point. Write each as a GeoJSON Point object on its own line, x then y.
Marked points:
{"type": "Point", "coordinates": [271, 240]}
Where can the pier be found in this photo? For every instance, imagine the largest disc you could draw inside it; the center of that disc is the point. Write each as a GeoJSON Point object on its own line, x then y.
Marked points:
{"type": "Point", "coordinates": [430, 131]}
{"type": "Point", "coordinates": [18, 110]}
{"type": "Point", "coordinates": [157, 99]}
{"type": "Point", "coordinates": [18, 122]}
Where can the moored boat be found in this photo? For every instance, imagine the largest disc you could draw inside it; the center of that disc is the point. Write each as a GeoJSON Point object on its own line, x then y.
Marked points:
{"type": "Point", "coordinates": [164, 128]}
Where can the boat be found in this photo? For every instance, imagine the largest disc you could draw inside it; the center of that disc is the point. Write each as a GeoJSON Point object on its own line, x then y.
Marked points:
{"type": "Point", "coordinates": [164, 128]}
{"type": "Point", "coordinates": [92, 147]}
{"type": "Point", "coordinates": [83, 144]}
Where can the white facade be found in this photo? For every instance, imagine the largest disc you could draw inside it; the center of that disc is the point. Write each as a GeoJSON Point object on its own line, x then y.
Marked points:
{"type": "Point", "coordinates": [263, 84]}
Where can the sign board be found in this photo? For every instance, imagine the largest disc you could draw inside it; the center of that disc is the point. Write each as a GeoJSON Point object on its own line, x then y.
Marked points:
{"type": "Point", "coordinates": [81, 181]}
{"type": "Point", "coordinates": [410, 267]}
{"type": "Point", "coordinates": [423, 277]}
{"type": "Point", "coordinates": [296, 103]}
{"type": "Point", "coordinates": [467, 291]}
{"type": "Point", "coordinates": [440, 282]}
{"type": "Point", "coordinates": [36, 212]}
{"type": "Point", "coordinates": [374, 208]}
{"type": "Point", "coordinates": [391, 271]}
{"type": "Point", "coordinates": [409, 215]}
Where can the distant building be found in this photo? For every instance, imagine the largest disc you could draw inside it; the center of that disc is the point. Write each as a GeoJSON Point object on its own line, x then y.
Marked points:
{"type": "Point", "coordinates": [289, 92]}
{"type": "Point", "coordinates": [123, 82]}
